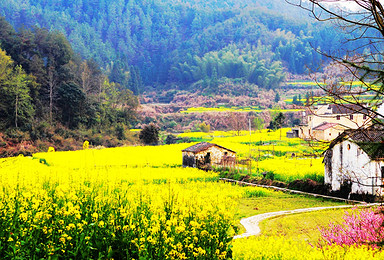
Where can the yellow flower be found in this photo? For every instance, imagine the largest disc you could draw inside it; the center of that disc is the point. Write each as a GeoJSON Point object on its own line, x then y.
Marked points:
{"type": "Point", "coordinates": [85, 145]}
{"type": "Point", "coordinates": [70, 226]}
{"type": "Point", "coordinates": [180, 229]}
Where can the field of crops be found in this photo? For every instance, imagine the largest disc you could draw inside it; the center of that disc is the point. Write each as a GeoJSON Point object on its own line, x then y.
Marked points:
{"type": "Point", "coordinates": [113, 212]}
{"type": "Point", "coordinates": [136, 203]}
{"type": "Point", "coordinates": [370, 91]}
{"type": "Point", "coordinates": [234, 109]}
{"type": "Point", "coordinates": [287, 159]}
{"type": "Point", "coordinates": [279, 247]}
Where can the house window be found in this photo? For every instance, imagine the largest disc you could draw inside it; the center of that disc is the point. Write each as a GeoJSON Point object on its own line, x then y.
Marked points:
{"type": "Point", "coordinates": [349, 147]}
{"type": "Point", "coordinates": [337, 117]}
{"type": "Point", "coordinates": [351, 117]}
{"type": "Point", "coordinates": [382, 172]}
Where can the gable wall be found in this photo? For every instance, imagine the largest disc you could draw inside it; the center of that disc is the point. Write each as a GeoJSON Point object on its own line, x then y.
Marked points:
{"type": "Point", "coordinates": [350, 162]}
{"type": "Point", "coordinates": [216, 154]}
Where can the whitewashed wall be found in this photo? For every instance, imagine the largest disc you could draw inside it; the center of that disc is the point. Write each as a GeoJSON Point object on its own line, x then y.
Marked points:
{"type": "Point", "coordinates": [350, 162]}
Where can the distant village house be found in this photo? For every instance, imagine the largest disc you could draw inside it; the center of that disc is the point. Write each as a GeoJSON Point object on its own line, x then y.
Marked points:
{"type": "Point", "coordinates": [205, 155]}
{"type": "Point", "coordinates": [356, 157]}
{"type": "Point", "coordinates": [326, 122]}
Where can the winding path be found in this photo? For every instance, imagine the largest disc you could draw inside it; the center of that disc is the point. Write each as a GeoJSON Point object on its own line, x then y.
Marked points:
{"type": "Point", "coordinates": [251, 224]}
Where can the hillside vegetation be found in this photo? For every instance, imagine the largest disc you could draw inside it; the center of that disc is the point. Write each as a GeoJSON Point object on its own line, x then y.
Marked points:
{"type": "Point", "coordinates": [48, 93]}
{"type": "Point", "coordinates": [177, 43]}
{"type": "Point", "coordinates": [135, 204]}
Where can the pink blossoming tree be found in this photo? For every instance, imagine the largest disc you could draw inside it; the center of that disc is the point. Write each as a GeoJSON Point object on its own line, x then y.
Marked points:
{"type": "Point", "coordinates": [360, 227]}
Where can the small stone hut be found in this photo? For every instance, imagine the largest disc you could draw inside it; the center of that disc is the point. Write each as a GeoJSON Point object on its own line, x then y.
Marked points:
{"type": "Point", "coordinates": [205, 155]}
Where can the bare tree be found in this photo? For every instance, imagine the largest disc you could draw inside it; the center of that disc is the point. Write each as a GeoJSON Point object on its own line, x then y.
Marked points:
{"type": "Point", "coordinates": [362, 21]}
{"type": "Point", "coordinates": [237, 121]}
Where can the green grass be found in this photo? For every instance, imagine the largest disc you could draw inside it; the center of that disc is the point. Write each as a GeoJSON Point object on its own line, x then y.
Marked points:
{"type": "Point", "coordinates": [279, 201]}
{"type": "Point", "coordinates": [302, 226]}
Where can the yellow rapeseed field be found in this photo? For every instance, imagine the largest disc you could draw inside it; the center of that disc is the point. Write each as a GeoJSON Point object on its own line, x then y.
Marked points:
{"type": "Point", "coordinates": [271, 151]}
{"type": "Point", "coordinates": [132, 203]}
{"type": "Point", "coordinates": [287, 249]}
{"type": "Point", "coordinates": [66, 210]}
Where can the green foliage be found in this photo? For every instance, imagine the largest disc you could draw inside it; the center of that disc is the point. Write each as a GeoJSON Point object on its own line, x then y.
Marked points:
{"type": "Point", "coordinates": [252, 64]}
{"type": "Point", "coordinates": [258, 123]}
{"type": "Point", "coordinates": [149, 135]}
{"type": "Point", "coordinates": [205, 127]}
{"type": "Point", "coordinates": [277, 122]}
{"type": "Point", "coordinates": [71, 103]}
{"type": "Point", "coordinates": [120, 132]}
{"type": "Point", "coordinates": [254, 193]}
{"type": "Point", "coordinates": [16, 108]}
{"type": "Point", "coordinates": [141, 42]}
{"type": "Point", "coordinates": [41, 79]}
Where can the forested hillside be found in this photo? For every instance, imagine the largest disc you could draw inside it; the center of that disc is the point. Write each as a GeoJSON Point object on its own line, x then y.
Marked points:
{"type": "Point", "coordinates": [47, 90]}
{"type": "Point", "coordinates": [184, 42]}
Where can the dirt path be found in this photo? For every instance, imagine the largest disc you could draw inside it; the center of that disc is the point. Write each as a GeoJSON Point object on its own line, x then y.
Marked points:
{"type": "Point", "coordinates": [251, 224]}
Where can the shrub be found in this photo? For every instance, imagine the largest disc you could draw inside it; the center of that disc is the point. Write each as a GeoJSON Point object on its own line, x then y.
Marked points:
{"type": "Point", "coordinates": [149, 135]}
{"type": "Point", "coordinates": [270, 175]}
{"type": "Point", "coordinates": [205, 127]}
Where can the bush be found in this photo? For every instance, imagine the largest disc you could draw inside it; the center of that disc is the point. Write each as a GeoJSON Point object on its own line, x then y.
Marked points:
{"type": "Point", "coordinates": [149, 135]}
{"type": "Point", "coordinates": [270, 175]}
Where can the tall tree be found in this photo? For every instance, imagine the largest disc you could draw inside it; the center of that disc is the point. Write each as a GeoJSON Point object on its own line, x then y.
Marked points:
{"type": "Point", "coordinates": [16, 109]}
{"type": "Point", "coordinates": [258, 123]}
{"type": "Point", "coordinates": [23, 109]}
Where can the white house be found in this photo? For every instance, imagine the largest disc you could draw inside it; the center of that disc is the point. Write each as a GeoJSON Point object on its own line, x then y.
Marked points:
{"type": "Point", "coordinates": [326, 122]}
{"type": "Point", "coordinates": [356, 156]}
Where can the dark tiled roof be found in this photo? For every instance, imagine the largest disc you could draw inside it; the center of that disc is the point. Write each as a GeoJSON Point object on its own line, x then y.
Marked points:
{"type": "Point", "coordinates": [367, 135]}
{"type": "Point", "coordinates": [202, 146]}
{"type": "Point", "coordinates": [348, 109]}
{"type": "Point", "coordinates": [324, 126]}
{"type": "Point", "coordinates": [371, 140]}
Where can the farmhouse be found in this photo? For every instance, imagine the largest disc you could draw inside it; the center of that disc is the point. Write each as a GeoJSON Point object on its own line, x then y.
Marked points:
{"type": "Point", "coordinates": [326, 122]}
{"type": "Point", "coordinates": [356, 157]}
{"type": "Point", "coordinates": [205, 155]}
